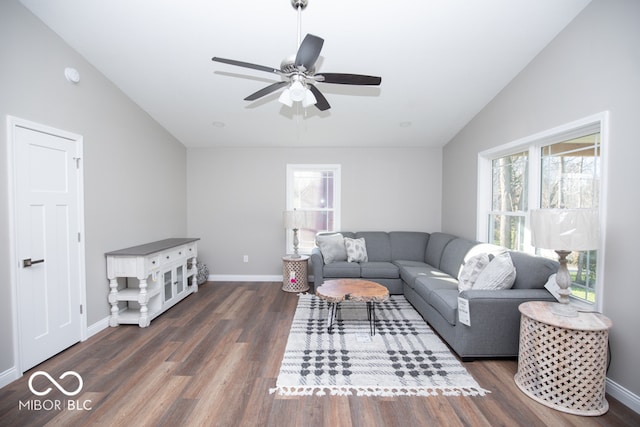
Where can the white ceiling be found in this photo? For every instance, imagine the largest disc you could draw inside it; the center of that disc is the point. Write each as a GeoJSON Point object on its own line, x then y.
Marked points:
{"type": "Point", "coordinates": [441, 62]}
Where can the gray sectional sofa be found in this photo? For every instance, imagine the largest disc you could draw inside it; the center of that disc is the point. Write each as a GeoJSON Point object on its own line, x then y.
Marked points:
{"type": "Point", "coordinates": [425, 268]}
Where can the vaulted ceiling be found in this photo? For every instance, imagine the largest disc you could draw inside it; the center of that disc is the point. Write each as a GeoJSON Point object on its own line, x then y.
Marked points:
{"type": "Point", "coordinates": [441, 62]}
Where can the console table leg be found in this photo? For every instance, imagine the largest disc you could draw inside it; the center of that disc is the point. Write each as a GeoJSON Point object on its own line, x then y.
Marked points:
{"type": "Point", "coordinates": [194, 278]}
{"type": "Point", "coordinates": [143, 320]}
{"type": "Point", "coordinates": [113, 299]}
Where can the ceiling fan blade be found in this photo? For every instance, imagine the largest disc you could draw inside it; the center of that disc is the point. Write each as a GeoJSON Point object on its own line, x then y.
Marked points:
{"type": "Point", "coordinates": [309, 51]}
{"type": "Point", "coordinates": [349, 79]}
{"type": "Point", "coordinates": [321, 102]}
{"type": "Point", "coordinates": [248, 65]}
{"type": "Point", "coordinates": [265, 91]}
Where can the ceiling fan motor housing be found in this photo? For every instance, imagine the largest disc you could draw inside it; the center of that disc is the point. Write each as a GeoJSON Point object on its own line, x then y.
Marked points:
{"type": "Point", "coordinates": [299, 4]}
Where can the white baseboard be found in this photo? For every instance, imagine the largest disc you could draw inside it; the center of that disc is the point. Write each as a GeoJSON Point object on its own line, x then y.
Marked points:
{"type": "Point", "coordinates": [626, 397]}
{"type": "Point", "coordinates": [8, 376]}
{"type": "Point", "coordinates": [247, 278]}
{"type": "Point", "coordinates": [99, 326]}
{"type": "Point", "coordinates": [244, 278]}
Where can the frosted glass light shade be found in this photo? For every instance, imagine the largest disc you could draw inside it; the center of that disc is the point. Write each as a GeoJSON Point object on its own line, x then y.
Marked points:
{"type": "Point", "coordinates": [309, 99]}
{"type": "Point", "coordinates": [285, 98]}
{"type": "Point", "coordinates": [297, 91]}
{"type": "Point", "coordinates": [565, 229]}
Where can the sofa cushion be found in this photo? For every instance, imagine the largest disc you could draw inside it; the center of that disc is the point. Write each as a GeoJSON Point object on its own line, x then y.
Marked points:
{"type": "Point", "coordinates": [453, 255]}
{"type": "Point", "coordinates": [408, 245]}
{"type": "Point", "coordinates": [356, 249]}
{"type": "Point", "coordinates": [379, 269]}
{"type": "Point", "coordinates": [435, 248]}
{"type": "Point", "coordinates": [445, 301]}
{"type": "Point", "coordinates": [410, 270]}
{"type": "Point", "coordinates": [378, 245]}
{"type": "Point", "coordinates": [424, 285]}
{"type": "Point", "coordinates": [499, 274]}
{"type": "Point", "coordinates": [332, 247]}
{"type": "Point", "coordinates": [341, 269]}
{"type": "Point", "coordinates": [532, 271]}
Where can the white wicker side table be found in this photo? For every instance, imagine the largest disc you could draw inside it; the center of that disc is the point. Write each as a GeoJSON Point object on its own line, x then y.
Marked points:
{"type": "Point", "coordinates": [294, 273]}
{"type": "Point", "coordinates": [563, 360]}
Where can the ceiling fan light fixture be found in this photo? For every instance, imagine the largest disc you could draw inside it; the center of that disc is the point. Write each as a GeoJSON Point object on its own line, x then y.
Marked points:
{"type": "Point", "coordinates": [309, 99]}
{"type": "Point", "coordinates": [285, 98]}
{"type": "Point", "coordinates": [297, 91]}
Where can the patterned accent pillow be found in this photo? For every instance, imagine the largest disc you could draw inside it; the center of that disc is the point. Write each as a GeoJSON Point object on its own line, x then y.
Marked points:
{"type": "Point", "coordinates": [499, 274]}
{"type": "Point", "coordinates": [470, 271]}
{"type": "Point", "coordinates": [356, 250]}
{"type": "Point", "coordinates": [332, 247]}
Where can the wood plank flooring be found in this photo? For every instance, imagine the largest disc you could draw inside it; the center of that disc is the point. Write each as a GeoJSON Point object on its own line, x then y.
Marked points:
{"type": "Point", "coordinates": [211, 360]}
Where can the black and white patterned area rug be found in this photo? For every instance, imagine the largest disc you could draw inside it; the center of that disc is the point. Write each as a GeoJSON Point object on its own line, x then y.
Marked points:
{"type": "Point", "coordinates": [404, 358]}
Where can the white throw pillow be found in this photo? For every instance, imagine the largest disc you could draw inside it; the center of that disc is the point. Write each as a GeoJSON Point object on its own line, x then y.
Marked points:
{"type": "Point", "coordinates": [332, 247]}
{"type": "Point", "coordinates": [356, 249]}
{"type": "Point", "coordinates": [470, 271]}
{"type": "Point", "coordinates": [499, 274]}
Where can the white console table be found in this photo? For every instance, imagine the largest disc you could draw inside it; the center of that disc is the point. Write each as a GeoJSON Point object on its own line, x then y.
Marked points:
{"type": "Point", "coordinates": [165, 271]}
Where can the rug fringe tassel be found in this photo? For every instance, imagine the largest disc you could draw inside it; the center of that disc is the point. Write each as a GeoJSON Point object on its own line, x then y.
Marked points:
{"type": "Point", "coordinates": [377, 391]}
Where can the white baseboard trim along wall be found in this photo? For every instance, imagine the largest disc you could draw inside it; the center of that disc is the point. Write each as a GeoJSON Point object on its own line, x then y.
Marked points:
{"type": "Point", "coordinates": [625, 397]}
{"type": "Point", "coordinates": [244, 278]}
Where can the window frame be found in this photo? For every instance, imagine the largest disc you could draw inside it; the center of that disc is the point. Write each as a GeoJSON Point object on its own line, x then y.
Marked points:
{"type": "Point", "coordinates": [533, 143]}
{"type": "Point", "coordinates": [337, 185]}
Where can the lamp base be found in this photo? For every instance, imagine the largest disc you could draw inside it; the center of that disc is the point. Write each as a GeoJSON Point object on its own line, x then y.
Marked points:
{"type": "Point", "coordinates": [565, 310]}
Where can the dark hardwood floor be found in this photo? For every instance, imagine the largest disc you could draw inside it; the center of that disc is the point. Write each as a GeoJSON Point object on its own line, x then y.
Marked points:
{"type": "Point", "coordinates": [211, 360]}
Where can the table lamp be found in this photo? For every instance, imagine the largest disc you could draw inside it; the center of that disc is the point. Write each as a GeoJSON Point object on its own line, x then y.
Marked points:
{"type": "Point", "coordinates": [564, 230]}
{"type": "Point", "coordinates": [293, 221]}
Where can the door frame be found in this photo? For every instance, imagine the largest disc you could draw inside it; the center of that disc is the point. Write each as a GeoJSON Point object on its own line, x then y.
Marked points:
{"type": "Point", "coordinates": [13, 123]}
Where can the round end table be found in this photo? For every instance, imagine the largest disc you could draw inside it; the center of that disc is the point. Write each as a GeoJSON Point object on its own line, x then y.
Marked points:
{"type": "Point", "coordinates": [562, 361]}
{"type": "Point", "coordinates": [294, 273]}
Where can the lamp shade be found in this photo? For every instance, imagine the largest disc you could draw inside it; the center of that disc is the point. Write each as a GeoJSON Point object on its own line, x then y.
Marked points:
{"type": "Point", "coordinates": [309, 99]}
{"type": "Point", "coordinates": [292, 219]}
{"type": "Point", "coordinates": [297, 91]}
{"type": "Point", "coordinates": [285, 98]}
{"type": "Point", "coordinates": [565, 229]}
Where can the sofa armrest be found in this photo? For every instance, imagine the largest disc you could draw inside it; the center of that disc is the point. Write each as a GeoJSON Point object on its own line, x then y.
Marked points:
{"type": "Point", "coordinates": [494, 321]}
{"type": "Point", "coordinates": [317, 265]}
{"type": "Point", "coordinates": [521, 295]}
{"type": "Point", "coordinates": [488, 306]}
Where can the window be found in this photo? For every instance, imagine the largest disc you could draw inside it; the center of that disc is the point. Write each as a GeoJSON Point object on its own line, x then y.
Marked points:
{"type": "Point", "coordinates": [570, 178]}
{"type": "Point", "coordinates": [509, 188]}
{"type": "Point", "coordinates": [560, 168]}
{"type": "Point", "coordinates": [313, 190]}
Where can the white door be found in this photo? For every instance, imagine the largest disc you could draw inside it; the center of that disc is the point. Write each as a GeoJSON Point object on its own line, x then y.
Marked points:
{"type": "Point", "coordinates": [47, 222]}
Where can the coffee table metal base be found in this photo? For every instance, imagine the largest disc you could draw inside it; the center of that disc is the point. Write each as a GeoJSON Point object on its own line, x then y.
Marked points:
{"type": "Point", "coordinates": [371, 316]}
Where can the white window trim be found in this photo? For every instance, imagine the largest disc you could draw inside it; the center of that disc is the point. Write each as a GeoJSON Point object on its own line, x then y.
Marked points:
{"type": "Point", "coordinates": [533, 143]}
{"type": "Point", "coordinates": [337, 175]}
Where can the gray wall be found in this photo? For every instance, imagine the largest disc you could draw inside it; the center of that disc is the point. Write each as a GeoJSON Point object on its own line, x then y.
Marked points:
{"type": "Point", "coordinates": [592, 66]}
{"type": "Point", "coordinates": [237, 196]}
{"type": "Point", "coordinates": [135, 172]}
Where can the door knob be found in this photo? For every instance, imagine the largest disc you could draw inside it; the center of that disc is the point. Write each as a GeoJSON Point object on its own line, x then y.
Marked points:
{"type": "Point", "coordinates": [28, 263]}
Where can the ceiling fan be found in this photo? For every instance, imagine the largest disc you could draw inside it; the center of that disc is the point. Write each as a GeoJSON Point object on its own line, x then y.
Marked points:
{"type": "Point", "coordinates": [298, 72]}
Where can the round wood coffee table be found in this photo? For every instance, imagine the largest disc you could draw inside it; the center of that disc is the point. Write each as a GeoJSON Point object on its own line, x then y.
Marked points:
{"type": "Point", "coordinates": [336, 291]}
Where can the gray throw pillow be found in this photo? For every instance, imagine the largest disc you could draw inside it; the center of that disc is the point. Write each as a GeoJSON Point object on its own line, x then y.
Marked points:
{"type": "Point", "coordinates": [332, 247]}
{"type": "Point", "coordinates": [356, 249]}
